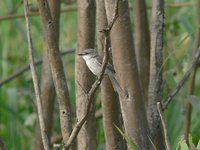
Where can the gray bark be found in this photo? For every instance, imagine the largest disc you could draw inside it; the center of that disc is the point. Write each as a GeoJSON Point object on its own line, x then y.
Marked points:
{"type": "Point", "coordinates": [84, 78]}
{"type": "Point", "coordinates": [132, 105]}
{"type": "Point", "coordinates": [109, 98]}
{"type": "Point", "coordinates": [155, 93]}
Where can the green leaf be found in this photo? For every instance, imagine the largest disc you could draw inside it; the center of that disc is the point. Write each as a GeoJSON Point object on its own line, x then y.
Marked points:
{"type": "Point", "coordinates": [198, 145]}
{"type": "Point", "coordinates": [182, 145]}
{"type": "Point", "coordinates": [192, 146]}
{"type": "Point", "coordinates": [128, 140]}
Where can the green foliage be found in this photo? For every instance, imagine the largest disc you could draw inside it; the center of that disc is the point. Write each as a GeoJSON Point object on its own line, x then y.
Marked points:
{"type": "Point", "coordinates": [182, 145]}
{"type": "Point", "coordinates": [17, 108]}
{"type": "Point", "coordinates": [128, 140]}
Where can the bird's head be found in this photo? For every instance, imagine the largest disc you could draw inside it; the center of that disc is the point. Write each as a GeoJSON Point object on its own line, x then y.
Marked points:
{"type": "Point", "coordinates": [88, 53]}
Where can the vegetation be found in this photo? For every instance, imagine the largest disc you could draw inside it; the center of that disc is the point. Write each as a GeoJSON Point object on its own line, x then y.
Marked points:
{"type": "Point", "coordinates": [19, 128]}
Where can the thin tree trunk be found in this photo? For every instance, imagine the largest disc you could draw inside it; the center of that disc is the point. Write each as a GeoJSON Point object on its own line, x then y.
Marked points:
{"type": "Point", "coordinates": [57, 69]}
{"type": "Point", "coordinates": [47, 95]}
{"type": "Point", "coordinates": [109, 99]}
{"type": "Point", "coordinates": [155, 83]}
{"type": "Point", "coordinates": [47, 86]}
{"type": "Point", "coordinates": [142, 43]}
{"type": "Point", "coordinates": [132, 105]}
{"type": "Point", "coordinates": [84, 78]}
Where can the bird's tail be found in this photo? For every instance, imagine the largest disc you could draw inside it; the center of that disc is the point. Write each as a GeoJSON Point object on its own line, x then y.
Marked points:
{"type": "Point", "coordinates": [116, 85]}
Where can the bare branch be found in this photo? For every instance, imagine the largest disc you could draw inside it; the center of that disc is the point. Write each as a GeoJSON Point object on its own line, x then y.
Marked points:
{"type": "Point", "coordinates": [18, 72]}
{"type": "Point", "coordinates": [25, 68]}
{"type": "Point", "coordinates": [36, 13]}
{"type": "Point", "coordinates": [182, 81]}
{"type": "Point", "coordinates": [180, 4]}
{"type": "Point", "coordinates": [35, 79]}
{"type": "Point", "coordinates": [96, 83]}
{"type": "Point", "coordinates": [163, 125]}
{"type": "Point", "coordinates": [58, 138]}
{"type": "Point", "coordinates": [73, 9]}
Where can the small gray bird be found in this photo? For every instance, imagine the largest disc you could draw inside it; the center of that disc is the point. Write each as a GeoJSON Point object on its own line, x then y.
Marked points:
{"type": "Point", "coordinates": [94, 62]}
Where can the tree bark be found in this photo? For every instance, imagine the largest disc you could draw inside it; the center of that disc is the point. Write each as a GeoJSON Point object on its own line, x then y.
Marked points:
{"type": "Point", "coordinates": [142, 43]}
{"type": "Point", "coordinates": [47, 86]}
{"type": "Point", "coordinates": [155, 83]}
{"type": "Point", "coordinates": [132, 105]}
{"type": "Point", "coordinates": [84, 78]}
{"type": "Point", "coordinates": [57, 69]}
{"type": "Point", "coordinates": [109, 98]}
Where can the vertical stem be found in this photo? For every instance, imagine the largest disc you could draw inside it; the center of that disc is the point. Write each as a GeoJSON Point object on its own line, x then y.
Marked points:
{"type": "Point", "coordinates": [109, 98]}
{"type": "Point", "coordinates": [155, 92]}
{"type": "Point", "coordinates": [47, 86]}
{"type": "Point", "coordinates": [142, 43]}
{"type": "Point", "coordinates": [86, 39]}
{"type": "Point", "coordinates": [57, 69]}
{"type": "Point", "coordinates": [35, 79]}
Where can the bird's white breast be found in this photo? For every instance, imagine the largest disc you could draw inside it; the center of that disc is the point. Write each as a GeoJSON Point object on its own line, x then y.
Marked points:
{"type": "Point", "coordinates": [93, 65]}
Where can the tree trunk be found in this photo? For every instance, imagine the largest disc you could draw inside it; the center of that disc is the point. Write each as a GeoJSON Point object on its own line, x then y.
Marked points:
{"type": "Point", "coordinates": [57, 69]}
{"type": "Point", "coordinates": [109, 99]}
{"type": "Point", "coordinates": [84, 78]}
{"type": "Point", "coordinates": [47, 86]}
{"type": "Point", "coordinates": [155, 83]}
{"type": "Point", "coordinates": [132, 104]}
{"type": "Point", "coordinates": [142, 43]}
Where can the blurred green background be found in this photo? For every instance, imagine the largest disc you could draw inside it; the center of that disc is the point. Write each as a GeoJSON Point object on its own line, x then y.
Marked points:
{"type": "Point", "coordinates": [17, 108]}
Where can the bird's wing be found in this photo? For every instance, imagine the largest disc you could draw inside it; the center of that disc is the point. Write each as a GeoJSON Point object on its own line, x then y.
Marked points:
{"type": "Point", "coordinates": [109, 66]}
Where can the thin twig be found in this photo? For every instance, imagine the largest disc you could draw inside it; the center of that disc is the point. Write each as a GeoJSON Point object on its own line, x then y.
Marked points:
{"type": "Point", "coordinates": [182, 81]}
{"type": "Point", "coordinates": [163, 125]}
{"type": "Point", "coordinates": [18, 72]}
{"type": "Point", "coordinates": [177, 5]}
{"type": "Point", "coordinates": [25, 68]}
{"type": "Point", "coordinates": [180, 4]}
{"type": "Point", "coordinates": [35, 13]}
{"type": "Point", "coordinates": [58, 138]}
{"type": "Point", "coordinates": [96, 83]}
{"type": "Point", "coordinates": [73, 9]}
{"type": "Point", "coordinates": [35, 79]}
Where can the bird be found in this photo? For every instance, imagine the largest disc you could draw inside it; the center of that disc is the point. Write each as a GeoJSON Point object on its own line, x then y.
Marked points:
{"type": "Point", "coordinates": [94, 62]}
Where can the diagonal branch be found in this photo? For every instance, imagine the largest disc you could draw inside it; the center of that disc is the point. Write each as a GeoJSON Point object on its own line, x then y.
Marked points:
{"type": "Point", "coordinates": [35, 79]}
{"type": "Point", "coordinates": [25, 68]}
{"type": "Point", "coordinates": [182, 81]}
{"type": "Point", "coordinates": [96, 84]}
{"type": "Point", "coordinates": [33, 13]}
